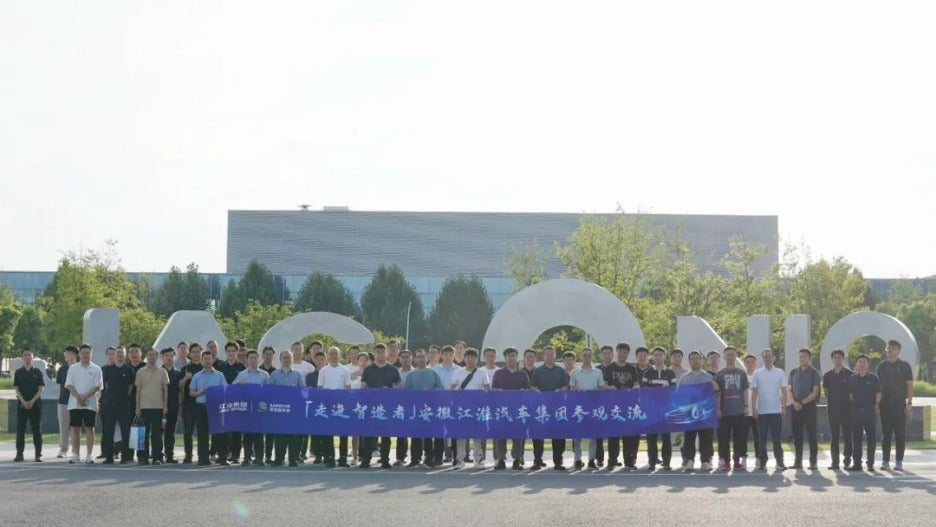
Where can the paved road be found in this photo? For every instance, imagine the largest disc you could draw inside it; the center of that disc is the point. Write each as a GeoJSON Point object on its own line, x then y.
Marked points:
{"type": "Point", "coordinates": [55, 493]}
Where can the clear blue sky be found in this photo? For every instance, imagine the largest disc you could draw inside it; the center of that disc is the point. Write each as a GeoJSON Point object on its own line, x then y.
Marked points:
{"type": "Point", "coordinates": [145, 122]}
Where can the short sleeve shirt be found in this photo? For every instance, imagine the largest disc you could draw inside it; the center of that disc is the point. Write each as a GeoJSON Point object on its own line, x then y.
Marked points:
{"type": "Point", "coordinates": [547, 379]}
{"type": "Point", "coordinates": [149, 383]}
{"type": "Point", "coordinates": [477, 381]}
{"type": "Point", "coordinates": [590, 379]}
{"type": "Point", "coordinates": [381, 377]}
{"type": "Point", "coordinates": [334, 377]}
{"type": "Point", "coordinates": [769, 383]}
{"type": "Point", "coordinates": [893, 378]}
{"type": "Point", "coordinates": [84, 378]}
{"type": "Point", "coordinates": [863, 390]}
{"type": "Point", "coordinates": [60, 380]}
{"type": "Point", "coordinates": [28, 381]}
{"type": "Point", "coordinates": [803, 382]}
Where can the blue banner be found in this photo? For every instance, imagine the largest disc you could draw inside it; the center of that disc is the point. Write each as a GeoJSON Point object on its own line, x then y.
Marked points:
{"type": "Point", "coordinates": [490, 414]}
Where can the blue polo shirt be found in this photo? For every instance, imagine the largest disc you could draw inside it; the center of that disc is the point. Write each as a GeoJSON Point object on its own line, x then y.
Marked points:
{"type": "Point", "coordinates": [203, 379]}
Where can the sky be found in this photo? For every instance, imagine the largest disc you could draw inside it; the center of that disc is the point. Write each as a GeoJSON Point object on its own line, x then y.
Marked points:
{"type": "Point", "coordinates": [145, 122]}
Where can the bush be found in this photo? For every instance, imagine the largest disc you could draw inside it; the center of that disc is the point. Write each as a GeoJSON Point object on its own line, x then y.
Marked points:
{"type": "Point", "coordinates": [924, 389]}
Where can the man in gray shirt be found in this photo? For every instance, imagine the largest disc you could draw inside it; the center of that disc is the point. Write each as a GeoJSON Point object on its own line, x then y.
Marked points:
{"type": "Point", "coordinates": [731, 396]}
{"type": "Point", "coordinates": [253, 443]}
{"type": "Point", "coordinates": [697, 376]}
{"type": "Point", "coordinates": [423, 378]}
{"type": "Point", "coordinates": [549, 378]}
{"type": "Point", "coordinates": [804, 392]}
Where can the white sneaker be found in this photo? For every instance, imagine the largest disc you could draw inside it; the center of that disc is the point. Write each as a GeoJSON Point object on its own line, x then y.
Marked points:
{"type": "Point", "coordinates": [354, 462]}
{"type": "Point", "coordinates": [89, 460]}
{"type": "Point", "coordinates": [688, 465]}
{"type": "Point", "coordinates": [479, 463]}
{"type": "Point", "coordinates": [61, 454]}
{"type": "Point", "coordinates": [458, 464]}
{"type": "Point", "coordinates": [706, 466]}
{"type": "Point", "coordinates": [75, 459]}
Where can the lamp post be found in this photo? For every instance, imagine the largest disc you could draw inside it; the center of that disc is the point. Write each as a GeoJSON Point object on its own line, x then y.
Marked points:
{"type": "Point", "coordinates": [406, 341]}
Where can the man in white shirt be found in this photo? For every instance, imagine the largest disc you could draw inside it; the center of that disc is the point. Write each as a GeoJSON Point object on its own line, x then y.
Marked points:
{"type": "Point", "coordinates": [334, 376]}
{"type": "Point", "coordinates": [469, 378]}
{"type": "Point", "coordinates": [489, 369]}
{"type": "Point", "coordinates": [353, 353]}
{"type": "Point", "coordinates": [769, 406]}
{"type": "Point", "coordinates": [83, 382]}
{"type": "Point", "coordinates": [585, 378]}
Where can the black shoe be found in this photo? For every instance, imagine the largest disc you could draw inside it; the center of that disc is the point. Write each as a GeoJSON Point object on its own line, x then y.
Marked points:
{"type": "Point", "coordinates": [38, 459]}
{"type": "Point", "coordinates": [275, 463]}
{"type": "Point", "coordinates": [187, 461]}
{"type": "Point", "coordinates": [330, 463]}
{"type": "Point", "coordinates": [172, 461]}
{"type": "Point", "coordinates": [234, 460]}
{"type": "Point", "coordinates": [592, 465]}
{"type": "Point", "coordinates": [667, 467]}
{"type": "Point", "coordinates": [517, 465]}
{"type": "Point", "coordinates": [398, 463]}
{"type": "Point", "coordinates": [293, 464]}
{"type": "Point", "coordinates": [143, 462]}
{"type": "Point", "coordinates": [870, 467]}
{"type": "Point", "coordinates": [559, 468]}
{"type": "Point", "coordinates": [157, 462]}
{"type": "Point", "coordinates": [834, 466]}
{"type": "Point", "coordinates": [258, 463]}
{"type": "Point", "coordinates": [245, 462]}
{"type": "Point", "coordinates": [109, 461]}
{"type": "Point", "coordinates": [385, 466]}
{"type": "Point", "coordinates": [813, 467]}
{"type": "Point", "coordinates": [364, 465]}
{"type": "Point", "coordinates": [343, 463]}
{"type": "Point", "coordinates": [18, 458]}
{"type": "Point", "coordinates": [102, 456]}
{"type": "Point", "coordinates": [124, 461]}
{"type": "Point", "coordinates": [501, 465]}
{"type": "Point", "coordinates": [797, 466]}
{"type": "Point", "coordinates": [781, 467]}
{"type": "Point", "coordinates": [447, 459]}
{"type": "Point", "coordinates": [853, 468]}
{"type": "Point", "coordinates": [579, 465]}
{"type": "Point", "coordinates": [412, 464]}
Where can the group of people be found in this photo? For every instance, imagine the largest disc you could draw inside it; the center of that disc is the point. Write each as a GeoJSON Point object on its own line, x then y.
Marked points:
{"type": "Point", "coordinates": [170, 385]}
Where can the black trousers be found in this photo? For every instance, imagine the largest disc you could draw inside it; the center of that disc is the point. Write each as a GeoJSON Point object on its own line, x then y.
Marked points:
{"type": "Point", "coordinates": [216, 442]}
{"type": "Point", "coordinates": [369, 444]}
{"type": "Point", "coordinates": [706, 446]}
{"type": "Point", "coordinates": [34, 417]}
{"type": "Point", "coordinates": [841, 426]}
{"type": "Point", "coordinates": [189, 411]}
{"type": "Point", "coordinates": [112, 417]}
{"type": "Point", "coordinates": [402, 445]}
{"type": "Point", "coordinates": [432, 447]}
{"type": "Point", "coordinates": [288, 442]}
{"type": "Point", "coordinates": [599, 450]}
{"type": "Point", "coordinates": [751, 432]}
{"type": "Point", "coordinates": [893, 420]}
{"type": "Point", "coordinates": [805, 418]}
{"type": "Point", "coordinates": [652, 448]}
{"type": "Point", "coordinates": [864, 422]}
{"type": "Point", "coordinates": [323, 448]}
{"type": "Point", "coordinates": [253, 446]}
{"type": "Point", "coordinates": [269, 441]}
{"type": "Point", "coordinates": [732, 435]}
{"type": "Point", "coordinates": [152, 420]}
{"type": "Point", "coordinates": [628, 445]}
{"type": "Point", "coordinates": [235, 440]}
{"type": "Point", "coordinates": [172, 418]}
{"type": "Point", "coordinates": [558, 449]}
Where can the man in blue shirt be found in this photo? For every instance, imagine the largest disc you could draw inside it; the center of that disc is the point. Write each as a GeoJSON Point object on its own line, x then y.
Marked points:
{"type": "Point", "coordinates": [549, 378]}
{"type": "Point", "coordinates": [207, 378]}
{"type": "Point", "coordinates": [286, 376]}
{"type": "Point", "coordinates": [423, 378]}
{"type": "Point", "coordinates": [253, 443]}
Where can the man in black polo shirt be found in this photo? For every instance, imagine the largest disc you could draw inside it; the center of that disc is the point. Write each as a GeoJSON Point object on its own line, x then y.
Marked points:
{"type": "Point", "coordinates": [173, 401]}
{"type": "Point", "coordinates": [380, 374]}
{"type": "Point", "coordinates": [658, 376]}
{"type": "Point", "coordinates": [117, 406]}
{"type": "Point", "coordinates": [804, 392]}
{"type": "Point", "coordinates": [865, 392]}
{"type": "Point", "coordinates": [838, 406]}
{"type": "Point", "coordinates": [269, 439]}
{"type": "Point", "coordinates": [607, 358]}
{"type": "Point", "coordinates": [29, 384]}
{"type": "Point", "coordinates": [622, 375]}
{"type": "Point", "coordinates": [189, 407]}
{"type": "Point", "coordinates": [549, 377]}
{"type": "Point", "coordinates": [896, 378]}
{"type": "Point", "coordinates": [230, 367]}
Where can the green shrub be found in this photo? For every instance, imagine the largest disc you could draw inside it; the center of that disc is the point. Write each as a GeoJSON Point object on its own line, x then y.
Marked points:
{"type": "Point", "coordinates": [924, 389]}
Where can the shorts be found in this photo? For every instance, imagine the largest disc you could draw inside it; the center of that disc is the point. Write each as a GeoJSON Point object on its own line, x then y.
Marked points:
{"type": "Point", "coordinates": [82, 417]}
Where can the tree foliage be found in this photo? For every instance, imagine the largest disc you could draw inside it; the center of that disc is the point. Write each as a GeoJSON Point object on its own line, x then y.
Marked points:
{"type": "Point", "coordinates": [257, 284]}
{"type": "Point", "coordinates": [527, 266]}
{"type": "Point", "coordinates": [462, 311]}
{"type": "Point", "coordinates": [10, 313]}
{"type": "Point", "coordinates": [324, 292]}
{"type": "Point", "coordinates": [180, 291]}
{"type": "Point", "coordinates": [251, 323]}
{"type": "Point", "coordinates": [30, 331]}
{"type": "Point", "coordinates": [384, 304]}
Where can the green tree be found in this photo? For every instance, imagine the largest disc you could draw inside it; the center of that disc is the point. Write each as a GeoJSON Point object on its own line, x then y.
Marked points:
{"type": "Point", "coordinates": [137, 325]}
{"type": "Point", "coordinates": [251, 323]}
{"type": "Point", "coordinates": [324, 292]}
{"type": "Point", "coordinates": [385, 301]}
{"type": "Point", "coordinates": [527, 266]}
{"type": "Point", "coordinates": [81, 282]}
{"type": "Point", "coordinates": [180, 291]}
{"type": "Point", "coordinates": [826, 291]}
{"type": "Point", "coordinates": [257, 284]}
{"type": "Point", "coordinates": [10, 313]}
{"type": "Point", "coordinates": [462, 311]}
{"type": "Point", "coordinates": [918, 313]}
{"type": "Point", "coordinates": [30, 331]}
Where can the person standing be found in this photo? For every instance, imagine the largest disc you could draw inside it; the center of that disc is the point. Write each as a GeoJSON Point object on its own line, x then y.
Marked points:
{"type": "Point", "coordinates": [835, 382]}
{"type": "Point", "coordinates": [28, 383]}
{"type": "Point", "coordinates": [317, 444]}
{"type": "Point", "coordinates": [206, 378]}
{"type": "Point", "coordinates": [71, 355]}
{"type": "Point", "coordinates": [470, 378]}
{"type": "Point", "coordinates": [750, 366]}
{"type": "Point", "coordinates": [896, 377]}
{"type": "Point", "coordinates": [287, 443]}
{"type": "Point", "coordinates": [607, 357]}
{"type": "Point", "coordinates": [380, 374]}
{"type": "Point", "coordinates": [173, 402]}
{"type": "Point", "coordinates": [334, 376]}
{"type": "Point", "coordinates": [152, 393]}
{"type": "Point", "coordinates": [865, 392]}
{"type": "Point", "coordinates": [181, 356]}
{"type": "Point", "coordinates": [253, 443]}
{"type": "Point", "coordinates": [732, 402]}
{"type": "Point", "coordinates": [445, 370]}
{"type": "Point", "coordinates": [423, 378]}
{"type": "Point", "coordinates": [269, 354]}
{"type": "Point", "coordinates": [769, 402]}
{"type": "Point", "coordinates": [642, 365]}
{"type": "Point", "coordinates": [586, 378]}
{"type": "Point", "coordinates": [83, 382]}
{"type": "Point", "coordinates": [804, 387]}
{"type": "Point", "coordinates": [549, 377]}
{"type": "Point", "coordinates": [230, 367]}
{"type": "Point", "coordinates": [116, 407]}
{"type": "Point", "coordinates": [696, 375]}
{"type": "Point", "coordinates": [403, 443]}
{"type": "Point", "coordinates": [676, 363]}
{"type": "Point", "coordinates": [510, 377]}
{"type": "Point", "coordinates": [189, 406]}
{"type": "Point", "coordinates": [659, 376]}
{"type": "Point", "coordinates": [621, 375]}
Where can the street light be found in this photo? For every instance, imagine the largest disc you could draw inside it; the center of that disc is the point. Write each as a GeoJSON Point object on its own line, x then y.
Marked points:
{"type": "Point", "coordinates": [406, 341]}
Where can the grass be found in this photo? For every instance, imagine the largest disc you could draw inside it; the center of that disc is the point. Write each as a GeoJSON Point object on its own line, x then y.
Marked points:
{"type": "Point", "coordinates": [6, 383]}
{"type": "Point", "coordinates": [924, 389]}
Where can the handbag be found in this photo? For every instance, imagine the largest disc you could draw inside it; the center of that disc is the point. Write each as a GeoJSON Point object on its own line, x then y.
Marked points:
{"type": "Point", "coordinates": [137, 439]}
